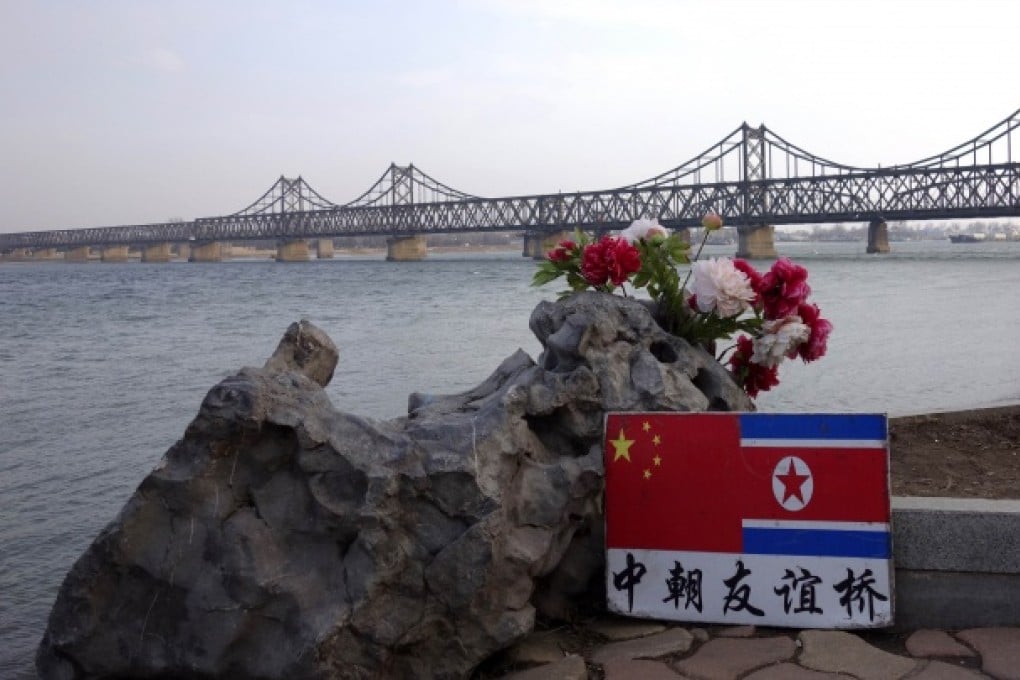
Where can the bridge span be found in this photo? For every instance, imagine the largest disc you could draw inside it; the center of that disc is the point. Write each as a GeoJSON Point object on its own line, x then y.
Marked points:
{"type": "Point", "coordinates": [753, 177]}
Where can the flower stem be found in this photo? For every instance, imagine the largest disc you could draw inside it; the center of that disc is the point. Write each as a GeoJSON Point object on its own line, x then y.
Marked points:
{"type": "Point", "coordinates": [725, 351]}
{"type": "Point", "coordinates": [704, 238]}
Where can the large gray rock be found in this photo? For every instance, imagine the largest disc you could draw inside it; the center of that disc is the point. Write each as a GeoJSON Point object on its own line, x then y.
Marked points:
{"type": "Point", "coordinates": [281, 538]}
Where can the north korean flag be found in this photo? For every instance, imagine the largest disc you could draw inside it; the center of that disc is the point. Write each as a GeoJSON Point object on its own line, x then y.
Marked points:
{"type": "Point", "coordinates": [748, 483]}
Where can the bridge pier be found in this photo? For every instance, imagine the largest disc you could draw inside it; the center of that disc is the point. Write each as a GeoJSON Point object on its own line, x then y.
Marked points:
{"type": "Point", "coordinates": [878, 237]}
{"type": "Point", "coordinates": [406, 248]}
{"type": "Point", "coordinates": [551, 240]}
{"type": "Point", "coordinates": [756, 242]}
{"type": "Point", "coordinates": [538, 244]}
{"type": "Point", "coordinates": [532, 245]}
{"type": "Point", "coordinates": [79, 254]}
{"type": "Point", "coordinates": [324, 249]}
{"type": "Point", "coordinates": [157, 252]}
{"type": "Point", "coordinates": [45, 254]}
{"type": "Point", "coordinates": [206, 252]}
{"type": "Point", "coordinates": [184, 251]}
{"type": "Point", "coordinates": [292, 250]}
{"type": "Point", "coordinates": [114, 254]}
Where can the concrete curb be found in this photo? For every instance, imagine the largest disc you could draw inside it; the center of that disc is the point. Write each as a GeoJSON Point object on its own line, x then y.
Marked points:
{"type": "Point", "coordinates": [957, 562]}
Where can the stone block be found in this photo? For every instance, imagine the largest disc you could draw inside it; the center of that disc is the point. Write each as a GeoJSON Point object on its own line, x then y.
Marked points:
{"type": "Point", "coordinates": [625, 629]}
{"type": "Point", "coordinates": [928, 643]}
{"type": "Point", "coordinates": [733, 657]}
{"type": "Point", "coordinates": [954, 600]}
{"type": "Point", "coordinates": [999, 649]}
{"type": "Point", "coordinates": [841, 652]}
{"type": "Point", "coordinates": [570, 667]}
{"type": "Point", "coordinates": [957, 534]}
{"type": "Point", "coordinates": [672, 641]}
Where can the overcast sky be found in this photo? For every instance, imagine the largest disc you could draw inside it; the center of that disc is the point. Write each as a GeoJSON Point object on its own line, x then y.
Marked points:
{"type": "Point", "coordinates": [129, 111]}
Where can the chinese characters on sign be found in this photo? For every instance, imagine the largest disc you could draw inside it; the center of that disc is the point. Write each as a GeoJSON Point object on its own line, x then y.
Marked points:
{"type": "Point", "coordinates": [769, 519]}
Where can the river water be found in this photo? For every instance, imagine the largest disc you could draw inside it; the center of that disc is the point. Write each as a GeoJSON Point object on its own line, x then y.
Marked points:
{"type": "Point", "coordinates": [102, 366]}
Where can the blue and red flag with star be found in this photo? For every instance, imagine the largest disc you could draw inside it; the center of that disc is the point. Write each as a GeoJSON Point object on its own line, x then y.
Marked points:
{"type": "Point", "coordinates": [750, 486]}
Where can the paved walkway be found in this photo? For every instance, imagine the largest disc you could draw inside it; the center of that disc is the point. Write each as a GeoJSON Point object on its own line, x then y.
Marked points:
{"type": "Point", "coordinates": [624, 649]}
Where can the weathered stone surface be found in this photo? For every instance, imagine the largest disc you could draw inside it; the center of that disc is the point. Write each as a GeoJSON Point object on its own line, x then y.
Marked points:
{"type": "Point", "coordinates": [281, 538]}
{"type": "Point", "coordinates": [725, 658]}
{"type": "Point", "coordinates": [940, 670]}
{"type": "Point", "coordinates": [570, 667]}
{"type": "Point", "coordinates": [737, 632]}
{"type": "Point", "coordinates": [543, 647]}
{"type": "Point", "coordinates": [789, 671]}
{"type": "Point", "coordinates": [632, 669]}
{"type": "Point", "coordinates": [929, 642]}
{"type": "Point", "coordinates": [999, 649]}
{"type": "Point", "coordinates": [840, 652]}
{"type": "Point", "coordinates": [307, 350]}
{"type": "Point", "coordinates": [624, 629]}
{"type": "Point", "coordinates": [672, 641]}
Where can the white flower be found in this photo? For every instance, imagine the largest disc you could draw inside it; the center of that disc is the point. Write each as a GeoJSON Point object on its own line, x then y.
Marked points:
{"type": "Point", "coordinates": [779, 338]}
{"type": "Point", "coordinates": [643, 229]}
{"type": "Point", "coordinates": [719, 286]}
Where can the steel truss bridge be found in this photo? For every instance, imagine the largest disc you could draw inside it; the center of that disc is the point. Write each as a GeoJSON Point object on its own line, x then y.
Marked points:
{"type": "Point", "coordinates": [752, 177]}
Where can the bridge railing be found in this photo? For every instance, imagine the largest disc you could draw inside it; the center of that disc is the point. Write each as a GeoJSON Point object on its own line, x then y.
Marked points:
{"type": "Point", "coordinates": [136, 234]}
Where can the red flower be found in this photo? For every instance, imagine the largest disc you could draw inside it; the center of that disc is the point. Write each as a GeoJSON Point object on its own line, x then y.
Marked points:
{"type": "Point", "coordinates": [817, 342]}
{"type": "Point", "coordinates": [753, 377]}
{"type": "Point", "coordinates": [562, 252]}
{"type": "Point", "coordinates": [609, 259]}
{"type": "Point", "coordinates": [783, 288]}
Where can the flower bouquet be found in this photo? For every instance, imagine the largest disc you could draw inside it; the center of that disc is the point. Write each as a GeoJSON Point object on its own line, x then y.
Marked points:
{"type": "Point", "coordinates": [765, 316]}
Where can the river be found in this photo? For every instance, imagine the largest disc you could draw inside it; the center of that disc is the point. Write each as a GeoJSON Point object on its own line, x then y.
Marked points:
{"type": "Point", "coordinates": [103, 365]}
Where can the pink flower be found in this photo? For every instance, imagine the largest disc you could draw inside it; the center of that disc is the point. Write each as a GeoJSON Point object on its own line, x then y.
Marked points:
{"type": "Point", "coordinates": [817, 342]}
{"type": "Point", "coordinates": [783, 288]}
{"type": "Point", "coordinates": [643, 230]}
{"type": "Point", "coordinates": [609, 259]}
{"type": "Point", "coordinates": [752, 377]}
{"type": "Point", "coordinates": [717, 285]}
{"type": "Point", "coordinates": [563, 251]}
{"type": "Point", "coordinates": [711, 221]}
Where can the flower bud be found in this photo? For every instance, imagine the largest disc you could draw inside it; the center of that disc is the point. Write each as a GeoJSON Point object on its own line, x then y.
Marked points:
{"type": "Point", "coordinates": [711, 221]}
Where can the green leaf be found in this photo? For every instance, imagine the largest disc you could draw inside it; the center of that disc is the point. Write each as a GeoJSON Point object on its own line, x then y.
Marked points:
{"type": "Point", "coordinates": [543, 277]}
